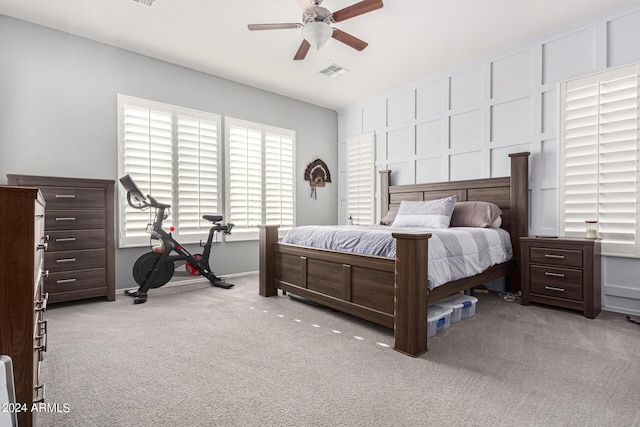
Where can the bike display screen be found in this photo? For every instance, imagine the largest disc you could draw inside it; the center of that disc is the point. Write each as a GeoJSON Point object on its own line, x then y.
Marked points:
{"type": "Point", "coordinates": [132, 188]}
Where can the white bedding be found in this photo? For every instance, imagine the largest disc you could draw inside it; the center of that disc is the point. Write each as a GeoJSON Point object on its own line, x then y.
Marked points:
{"type": "Point", "coordinates": [454, 253]}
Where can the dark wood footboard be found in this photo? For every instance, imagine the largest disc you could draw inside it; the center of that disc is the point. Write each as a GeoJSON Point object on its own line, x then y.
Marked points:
{"type": "Point", "coordinates": [389, 292]}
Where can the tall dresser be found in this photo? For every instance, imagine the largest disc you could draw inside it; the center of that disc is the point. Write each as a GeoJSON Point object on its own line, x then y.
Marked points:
{"type": "Point", "coordinates": [23, 328]}
{"type": "Point", "coordinates": [80, 225]}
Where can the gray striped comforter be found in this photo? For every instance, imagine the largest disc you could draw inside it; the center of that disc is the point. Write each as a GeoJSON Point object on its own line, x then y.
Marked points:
{"type": "Point", "coordinates": [454, 253]}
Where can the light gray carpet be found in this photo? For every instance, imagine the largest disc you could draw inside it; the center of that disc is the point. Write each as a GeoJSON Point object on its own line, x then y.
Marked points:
{"type": "Point", "coordinates": [195, 355]}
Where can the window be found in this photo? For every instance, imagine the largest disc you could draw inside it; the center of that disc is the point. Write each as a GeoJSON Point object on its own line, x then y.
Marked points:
{"type": "Point", "coordinates": [361, 178]}
{"type": "Point", "coordinates": [173, 155]}
{"type": "Point", "coordinates": [598, 158]}
{"type": "Point", "coordinates": [260, 177]}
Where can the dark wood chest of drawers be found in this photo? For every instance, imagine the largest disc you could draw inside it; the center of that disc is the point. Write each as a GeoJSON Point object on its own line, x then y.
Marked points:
{"type": "Point", "coordinates": [79, 223]}
{"type": "Point", "coordinates": [564, 272]}
{"type": "Point", "coordinates": [23, 328]}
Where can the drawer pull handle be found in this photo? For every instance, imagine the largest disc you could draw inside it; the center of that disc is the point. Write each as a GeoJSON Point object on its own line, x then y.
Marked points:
{"type": "Point", "coordinates": [66, 239]}
{"type": "Point", "coordinates": [65, 280]}
{"type": "Point", "coordinates": [66, 260]}
{"type": "Point", "coordinates": [66, 219]}
{"type": "Point", "coordinates": [42, 340]}
{"type": "Point", "coordinates": [65, 196]}
{"type": "Point", "coordinates": [554, 256]}
{"type": "Point", "coordinates": [547, 273]}
{"type": "Point", "coordinates": [38, 388]}
{"type": "Point", "coordinates": [552, 288]}
{"type": "Point", "coordinates": [41, 305]}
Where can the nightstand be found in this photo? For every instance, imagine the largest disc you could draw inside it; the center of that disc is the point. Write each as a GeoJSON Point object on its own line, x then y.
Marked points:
{"type": "Point", "coordinates": [563, 272]}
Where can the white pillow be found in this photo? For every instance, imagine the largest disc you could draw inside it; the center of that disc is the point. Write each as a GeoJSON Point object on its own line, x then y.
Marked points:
{"type": "Point", "coordinates": [427, 214]}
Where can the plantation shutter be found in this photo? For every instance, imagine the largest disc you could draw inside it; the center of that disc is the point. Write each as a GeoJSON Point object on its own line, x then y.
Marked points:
{"type": "Point", "coordinates": [245, 177]}
{"type": "Point", "coordinates": [599, 158]}
{"type": "Point", "coordinates": [197, 173]}
{"type": "Point", "coordinates": [279, 195]}
{"type": "Point", "coordinates": [361, 178]}
{"type": "Point", "coordinates": [147, 136]}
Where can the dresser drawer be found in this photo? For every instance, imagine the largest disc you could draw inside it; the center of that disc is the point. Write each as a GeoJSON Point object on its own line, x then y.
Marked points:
{"type": "Point", "coordinates": [73, 198]}
{"type": "Point", "coordinates": [552, 256]}
{"type": "Point", "coordinates": [74, 220]}
{"type": "Point", "coordinates": [76, 239]}
{"type": "Point", "coordinates": [75, 260]}
{"type": "Point", "coordinates": [75, 279]}
{"type": "Point", "coordinates": [556, 282]}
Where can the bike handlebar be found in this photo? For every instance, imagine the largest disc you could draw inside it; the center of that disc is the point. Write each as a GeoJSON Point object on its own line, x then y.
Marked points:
{"type": "Point", "coordinates": [149, 201]}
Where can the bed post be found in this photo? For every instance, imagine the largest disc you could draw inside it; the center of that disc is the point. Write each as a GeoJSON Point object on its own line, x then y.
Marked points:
{"type": "Point", "coordinates": [384, 192]}
{"type": "Point", "coordinates": [519, 209]}
{"type": "Point", "coordinates": [268, 238]}
{"type": "Point", "coordinates": [410, 302]}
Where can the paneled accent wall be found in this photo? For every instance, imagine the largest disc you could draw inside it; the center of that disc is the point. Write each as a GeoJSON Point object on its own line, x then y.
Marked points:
{"type": "Point", "coordinates": [463, 123]}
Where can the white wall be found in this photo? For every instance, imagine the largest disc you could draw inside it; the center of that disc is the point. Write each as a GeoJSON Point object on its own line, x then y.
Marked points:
{"type": "Point", "coordinates": [462, 123]}
{"type": "Point", "coordinates": [58, 118]}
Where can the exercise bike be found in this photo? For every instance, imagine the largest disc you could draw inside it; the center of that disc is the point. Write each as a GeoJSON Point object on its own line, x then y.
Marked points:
{"type": "Point", "coordinates": [155, 268]}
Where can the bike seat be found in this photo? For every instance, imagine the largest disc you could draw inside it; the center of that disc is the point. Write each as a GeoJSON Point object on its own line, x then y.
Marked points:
{"type": "Point", "coordinates": [212, 218]}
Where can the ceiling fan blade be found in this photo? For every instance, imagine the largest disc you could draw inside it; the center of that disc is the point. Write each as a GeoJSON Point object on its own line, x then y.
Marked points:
{"type": "Point", "coordinates": [356, 9]}
{"type": "Point", "coordinates": [308, 8]}
{"type": "Point", "coordinates": [273, 26]}
{"type": "Point", "coordinates": [302, 50]}
{"type": "Point", "coordinates": [349, 40]}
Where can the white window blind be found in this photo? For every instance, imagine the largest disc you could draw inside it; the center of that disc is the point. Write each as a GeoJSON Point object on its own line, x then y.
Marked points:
{"type": "Point", "coordinates": [598, 158]}
{"type": "Point", "coordinates": [278, 180]}
{"type": "Point", "coordinates": [361, 178]}
{"type": "Point", "coordinates": [172, 154]}
{"type": "Point", "coordinates": [197, 173]}
{"type": "Point", "coordinates": [260, 177]}
{"type": "Point", "coordinates": [245, 178]}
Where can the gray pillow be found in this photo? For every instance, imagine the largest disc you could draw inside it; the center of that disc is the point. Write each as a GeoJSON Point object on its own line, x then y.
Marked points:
{"type": "Point", "coordinates": [427, 214]}
{"type": "Point", "coordinates": [390, 216]}
{"type": "Point", "coordinates": [475, 214]}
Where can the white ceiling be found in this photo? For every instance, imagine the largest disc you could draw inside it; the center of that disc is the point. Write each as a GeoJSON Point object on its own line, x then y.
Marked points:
{"type": "Point", "coordinates": [408, 39]}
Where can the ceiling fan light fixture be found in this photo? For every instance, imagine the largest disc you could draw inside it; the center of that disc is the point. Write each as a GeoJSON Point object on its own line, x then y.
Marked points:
{"type": "Point", "coordinates": [148, 3]}
{"type": "Point", "coordinates": [317, 33]}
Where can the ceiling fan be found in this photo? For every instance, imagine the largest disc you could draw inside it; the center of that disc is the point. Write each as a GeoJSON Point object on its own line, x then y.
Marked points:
{"type": "Point", "coordinates": [316, 24]}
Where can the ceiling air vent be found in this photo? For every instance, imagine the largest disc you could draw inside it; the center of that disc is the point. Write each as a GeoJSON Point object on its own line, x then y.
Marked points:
{"type": "Point", "coordinates": [145, 2]}
{"type": "Point", "coordinates": [334, 71]}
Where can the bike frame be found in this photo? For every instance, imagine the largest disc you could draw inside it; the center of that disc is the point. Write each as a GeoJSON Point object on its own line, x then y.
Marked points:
{"type": "Point", "coordinates": [171, 244]}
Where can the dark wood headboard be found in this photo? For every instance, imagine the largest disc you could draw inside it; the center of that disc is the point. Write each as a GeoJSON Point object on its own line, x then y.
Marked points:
{"type": "Point", "coordinates": [511, 194]}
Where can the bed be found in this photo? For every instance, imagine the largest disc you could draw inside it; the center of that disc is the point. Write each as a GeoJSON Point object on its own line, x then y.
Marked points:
{"type": "Point", "coordinates": [393, 291]}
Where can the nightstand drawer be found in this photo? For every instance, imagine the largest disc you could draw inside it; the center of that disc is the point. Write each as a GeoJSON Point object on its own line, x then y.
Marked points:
{"type": "Point", "coordinates": [567, 290]}
{"type": "Point", "coordinates": [561, 276]}
{"type": "Point", "coordinates": [73, 198]}
{"type": "Point", "coordinates": [552, 256]}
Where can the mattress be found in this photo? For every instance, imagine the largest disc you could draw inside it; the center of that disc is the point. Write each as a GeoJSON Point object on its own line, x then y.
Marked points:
{"type": "Point", "coordinates": [454, 253]}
